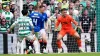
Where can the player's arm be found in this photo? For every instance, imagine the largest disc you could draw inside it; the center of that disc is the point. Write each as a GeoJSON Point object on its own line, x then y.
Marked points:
{"type": "Point", "coordinates": [46, 22]}
{"type": "Point", "coordinates": [31, 24]}
{"type": "Point", "coordinates": [57, 23]}
{"type": "Point", "coordinates": [12, 26]}
{"type": "Point", "coordinates": [75, 22]}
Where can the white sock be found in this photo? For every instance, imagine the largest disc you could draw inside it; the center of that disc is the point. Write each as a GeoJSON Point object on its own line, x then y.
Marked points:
{"type": "Point", "coordinates": [23, 45]}
{"type": "Point", "coordinates": [36, 46]}
{"type": "Point", "coordinates": [18, 47]}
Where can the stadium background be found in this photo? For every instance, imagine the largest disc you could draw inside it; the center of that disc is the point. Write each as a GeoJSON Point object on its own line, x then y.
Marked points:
{"type": "Point", "coordinates": [69, 44]}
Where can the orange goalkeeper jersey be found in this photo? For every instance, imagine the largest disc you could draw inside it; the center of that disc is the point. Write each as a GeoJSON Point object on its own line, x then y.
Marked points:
{"type": "Point", "coordinates": [66, 22]}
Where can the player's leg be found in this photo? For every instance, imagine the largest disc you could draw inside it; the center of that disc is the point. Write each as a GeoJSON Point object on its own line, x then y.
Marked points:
{"type": "Point", "coordinates": [27, 46]}
{"type": "Point", "coordinates": [59, 37]}
{"type": "Point", "coordinates": [43, 40]}
{"type": "Point", "coordinates": [23, 45]}
{"type": "Point", "coordinates": [77, 37]}
{"type": "Point", "coordinates": [18, 47]}
{"type": "Point", "coordinates": [36, 44]}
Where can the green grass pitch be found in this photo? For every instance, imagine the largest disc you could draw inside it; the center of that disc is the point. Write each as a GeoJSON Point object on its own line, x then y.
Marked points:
{"type": "Point", "coordinates": [62, 54]}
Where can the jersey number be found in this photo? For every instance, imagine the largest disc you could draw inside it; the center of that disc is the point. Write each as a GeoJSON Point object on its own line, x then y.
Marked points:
{"type": "Point", "coordinates": [23, 26]}
{"type": "Point", "coordinates": [35, 21]}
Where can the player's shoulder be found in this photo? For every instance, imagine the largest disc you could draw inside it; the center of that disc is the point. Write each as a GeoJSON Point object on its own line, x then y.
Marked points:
{"type": "Point", "coordinates": [68, 15]}
{"type": "Point", "coordinates": [24, 17]}
{"type": "Point", "coordinates": [28, 18]}
{"type": "Point", "coordinates": [44, 13]}
{"type": "Point", "coordinates": [59, 17]}
{"type": "Point", "coordinates": [34, 13]}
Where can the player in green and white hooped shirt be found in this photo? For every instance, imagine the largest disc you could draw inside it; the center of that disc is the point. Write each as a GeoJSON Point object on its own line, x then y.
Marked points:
{"type": "Point", "coordinates": [23, 31]}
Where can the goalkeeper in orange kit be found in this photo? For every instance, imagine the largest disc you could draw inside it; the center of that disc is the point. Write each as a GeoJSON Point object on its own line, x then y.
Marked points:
{"type": "Point", "coordinates": [66, 23]}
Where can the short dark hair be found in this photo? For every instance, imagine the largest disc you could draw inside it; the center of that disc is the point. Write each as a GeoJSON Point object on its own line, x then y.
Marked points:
{"type": "Point", "coordinates": [64, 9]}
{"type": "Point", "coordinates": [35, 8]}
{"type": "Point", "coordinates": [24, 11]}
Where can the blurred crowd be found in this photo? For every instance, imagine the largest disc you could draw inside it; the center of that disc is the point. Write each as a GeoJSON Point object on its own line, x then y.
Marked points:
{"type": "Point", "coordinates": [83, 11]}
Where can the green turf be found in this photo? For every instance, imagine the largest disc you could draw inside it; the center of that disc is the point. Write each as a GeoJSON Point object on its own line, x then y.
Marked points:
{"type": "Point", "coordinates": [67, 54]}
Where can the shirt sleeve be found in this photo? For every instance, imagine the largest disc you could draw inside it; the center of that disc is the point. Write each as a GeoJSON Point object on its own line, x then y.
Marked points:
{"type": "Point", "coordinates": [30, 15]}
{"type": "Point", "coordinates": [57, 22]}
{"type": "Point", "coordinates": [72, 20]}
{"type": "Point", "coordinates": [14, 24]}
{"type": "Point", "coordinates": [30, 22]}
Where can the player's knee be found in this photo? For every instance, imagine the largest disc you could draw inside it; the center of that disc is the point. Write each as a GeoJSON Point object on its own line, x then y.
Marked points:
{"type": "Point", "coordinates": [59, 37]}
{"type": "Point", "coordinates": [40, 40]}
{"type": "Point", "coordinates": [44, 38]}
{"type": "Point", "coordinates": [78, 37]}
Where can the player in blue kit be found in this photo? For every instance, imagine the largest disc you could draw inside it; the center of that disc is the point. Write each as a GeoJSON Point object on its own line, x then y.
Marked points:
{"type": "Point", "coordinates": [44, 27]}
{"type": "Point", "coordinates": [37, 21]}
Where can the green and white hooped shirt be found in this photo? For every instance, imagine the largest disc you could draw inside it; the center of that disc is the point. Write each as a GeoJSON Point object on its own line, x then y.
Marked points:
{"type": "Point", "coordinates": [23, 26]}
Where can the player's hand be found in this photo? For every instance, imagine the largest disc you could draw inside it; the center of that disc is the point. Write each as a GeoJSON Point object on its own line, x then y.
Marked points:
{"type": "Point", "coordinates": [79, 27]}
